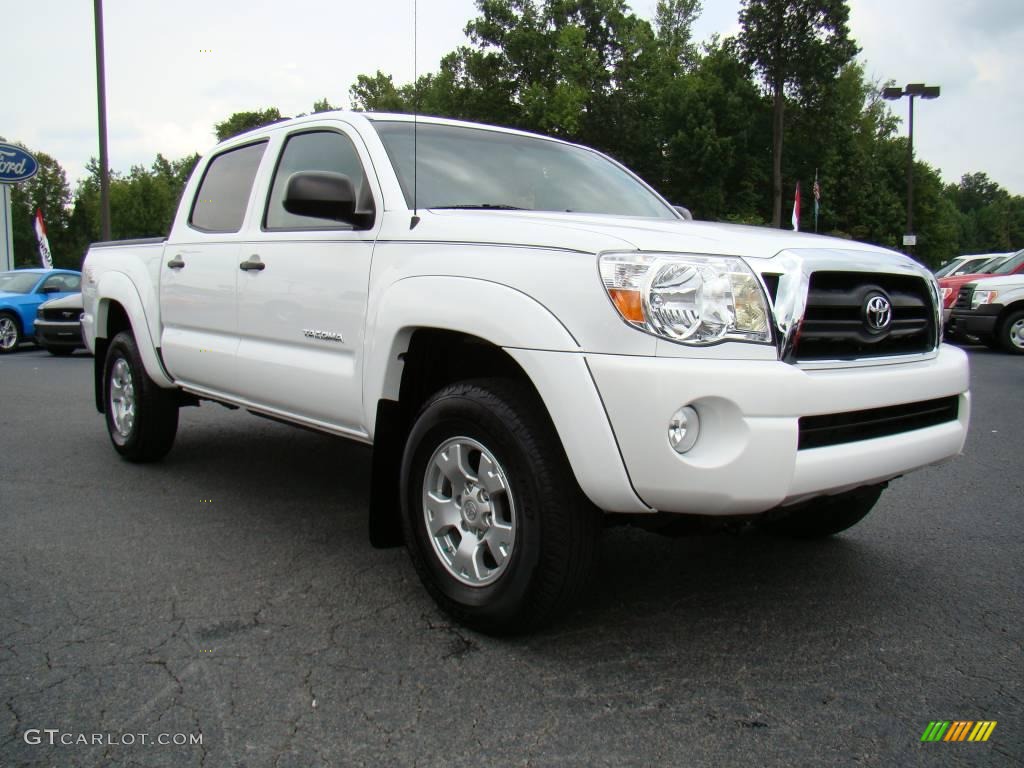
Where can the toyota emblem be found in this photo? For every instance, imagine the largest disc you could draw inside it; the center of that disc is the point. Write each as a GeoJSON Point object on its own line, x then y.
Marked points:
{"type": "Point", "coordinates": [877, 312]}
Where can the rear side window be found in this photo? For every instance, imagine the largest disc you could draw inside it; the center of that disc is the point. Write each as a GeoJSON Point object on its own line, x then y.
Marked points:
{"type": "Point", "coordinates": [315, 151]}
{"type": "Point", "coordinates": [224, 192]}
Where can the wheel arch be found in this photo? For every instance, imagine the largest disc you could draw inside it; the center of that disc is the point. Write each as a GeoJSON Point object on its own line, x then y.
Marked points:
{"type": "Point", "coordinates": [119, 308]}
{"type": "Point", "coordinates": [433, 331]}
{"type": "Point", "coordinates": [1014, 306]}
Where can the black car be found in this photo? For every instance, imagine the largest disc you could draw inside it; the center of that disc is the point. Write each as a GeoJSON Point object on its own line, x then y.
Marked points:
{"type": "Point", "coordinates": [59, 325]}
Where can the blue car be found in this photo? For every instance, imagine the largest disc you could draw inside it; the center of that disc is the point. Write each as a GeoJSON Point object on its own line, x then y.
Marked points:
{"type": "Point", "coordinates": [21, 293]}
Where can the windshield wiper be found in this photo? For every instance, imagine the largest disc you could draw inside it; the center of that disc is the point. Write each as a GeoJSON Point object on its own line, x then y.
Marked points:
{"type": "Point", "coordinates": [479, 207]}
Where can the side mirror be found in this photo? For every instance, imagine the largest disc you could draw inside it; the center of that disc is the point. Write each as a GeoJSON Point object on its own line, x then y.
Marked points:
{"type": "Point", "coordinates": [323, 194]}
{"type": "Point", "coordinates": [684, 211]}
{"type": "Point", "coordinates": [49, 289]}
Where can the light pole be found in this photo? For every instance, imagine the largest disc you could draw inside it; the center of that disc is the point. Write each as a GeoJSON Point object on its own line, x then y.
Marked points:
{"type": "Point", "coordinates": [912, 90]}
{"type": "Point", "coordinates": [101, 104]}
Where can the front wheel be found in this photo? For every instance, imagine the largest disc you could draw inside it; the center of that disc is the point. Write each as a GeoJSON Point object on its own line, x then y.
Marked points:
{"type": "Point", "coordinates": [142, 417]}
{"type": "Point", "coordinates": [496, 525]}
{"type": "Point", "coordinates": [10, 333]}
{"type": "Point", "coordinates": [825, 516]}
{"type": "Point", "coordinates": [1011, 333]}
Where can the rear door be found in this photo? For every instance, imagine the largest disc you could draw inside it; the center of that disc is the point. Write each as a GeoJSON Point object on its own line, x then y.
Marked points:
{"type": "Point", "coordinates": [199, 272]}
{"type": "Point", "coordinates": [302, 310]}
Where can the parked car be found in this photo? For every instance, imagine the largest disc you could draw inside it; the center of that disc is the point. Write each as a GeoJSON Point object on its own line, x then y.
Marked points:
{"type": "Point", "coordinates": [21, 293]}
{"type": "Point", "coordinates": [992, 311]}
{"type": "Point", "coordinates": [964, 265]}
{"type": "Point", "coordinates": [950, 286]}
{"type": "Point", "coordinates": [59, 325]}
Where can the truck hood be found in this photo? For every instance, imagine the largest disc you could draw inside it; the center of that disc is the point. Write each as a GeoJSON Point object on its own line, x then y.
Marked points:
{"type": "Point", "coordinates": [594, 233]}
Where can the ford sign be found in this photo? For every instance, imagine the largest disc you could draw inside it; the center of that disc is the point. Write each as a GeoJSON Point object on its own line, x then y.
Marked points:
{"type": "Point", "coordinates": [16, 164]}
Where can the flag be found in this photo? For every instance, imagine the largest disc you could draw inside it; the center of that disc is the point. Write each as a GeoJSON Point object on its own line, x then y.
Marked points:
{"type": "Point", "coordinates": [44, 244]}
{"type": "Point", "coordinates": [817, 198]}
{"type": "Point", "coordinates": [796, 209]}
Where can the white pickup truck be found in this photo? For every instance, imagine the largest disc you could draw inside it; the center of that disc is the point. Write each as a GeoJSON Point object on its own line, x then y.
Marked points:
{"type": "Point", "coordinates": [529, 336]}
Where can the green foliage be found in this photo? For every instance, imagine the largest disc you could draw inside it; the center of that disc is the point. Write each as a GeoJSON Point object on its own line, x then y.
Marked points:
{"type": "Point", "coordinates": [797, 47]}
{"type": "Point", "coordinates": [697, 122]}
{"type": "Point", "coordinates": [142, 202]}
{"type": "Point", "coordinates": [246, 121]}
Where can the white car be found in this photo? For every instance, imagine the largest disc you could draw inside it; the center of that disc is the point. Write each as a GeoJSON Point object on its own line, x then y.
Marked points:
{"type": "Point", "coordinates": [529, 336]}
{"type": "Point", "coordinates": [965, 265]}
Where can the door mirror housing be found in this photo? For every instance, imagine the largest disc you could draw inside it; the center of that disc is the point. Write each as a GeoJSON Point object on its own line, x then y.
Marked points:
{"type": "Point", "coordinates": [324, 195]}
{"type": "Point", "coordinates": [684, 212]}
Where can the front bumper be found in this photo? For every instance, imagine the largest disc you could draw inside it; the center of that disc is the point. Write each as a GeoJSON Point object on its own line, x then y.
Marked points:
{"type": "Point", "coordinates": [746, 459]}
{"type": "Point", "coordinates": [49, 333]}
{"type": "Point", "coordinates": [980, 322]}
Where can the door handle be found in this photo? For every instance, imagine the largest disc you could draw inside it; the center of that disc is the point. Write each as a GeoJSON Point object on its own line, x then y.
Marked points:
{"type": "Point", "coordinates": [253, 262]}
{"type": "Point", "coordinates": [176, 262]}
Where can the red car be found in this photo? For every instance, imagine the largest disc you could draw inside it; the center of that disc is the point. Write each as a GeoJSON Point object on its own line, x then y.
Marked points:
{"type": "Point", "coordinates": [950, 286]}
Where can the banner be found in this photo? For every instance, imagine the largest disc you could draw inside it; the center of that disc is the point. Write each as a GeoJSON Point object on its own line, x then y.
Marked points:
{"type": "Point", "coordinates": [796, 209]}
{"type": "Point", "coordinates": [44, 244]}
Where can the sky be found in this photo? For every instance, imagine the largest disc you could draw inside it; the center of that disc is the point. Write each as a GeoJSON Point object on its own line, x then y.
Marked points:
{"type": "Point", "coordinates": [175, 69]}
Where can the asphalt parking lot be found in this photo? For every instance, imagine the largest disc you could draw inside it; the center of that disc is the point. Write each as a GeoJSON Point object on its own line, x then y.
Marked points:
{"type": "Point", "coordinates": [230, 591]}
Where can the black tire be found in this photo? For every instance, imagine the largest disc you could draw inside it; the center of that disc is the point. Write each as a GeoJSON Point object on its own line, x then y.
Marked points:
{"type": "Point", "coordinates": [60, 351]}
{"type": "Point", "coordinates": [1011, 333]}
{"type": "Point", "coordinates": [10, 333]}
{"type": "Point", "coordinates": [150, 433]}
{"type": "Point", "coordinates": [556, 530]}
{"type": "Point", "coordinates": [826, 516]}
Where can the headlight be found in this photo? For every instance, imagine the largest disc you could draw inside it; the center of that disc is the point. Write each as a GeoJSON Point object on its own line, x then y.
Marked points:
{"type": "Point", "coordinates": [946, 290]}
{"type": "Point", "coordinates": [688, 299]}
{"type": "Point", "coordinates": [983, 297]}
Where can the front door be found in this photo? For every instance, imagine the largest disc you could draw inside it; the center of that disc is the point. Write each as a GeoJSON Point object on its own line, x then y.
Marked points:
{"type": "Point", "coordinates": [302, 304]}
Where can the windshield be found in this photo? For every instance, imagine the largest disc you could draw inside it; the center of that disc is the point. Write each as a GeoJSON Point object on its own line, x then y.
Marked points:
{"type": "Point", "coordinates": [18, 282]}
{"type": "Point", "coordinates": [461, 167]}
{"type": "Point", "coordinates": [1010, 265]}
{"type": "Point", "coordinates": [990, 265]}
{"type": "Point", "coordinates": [947, 268]}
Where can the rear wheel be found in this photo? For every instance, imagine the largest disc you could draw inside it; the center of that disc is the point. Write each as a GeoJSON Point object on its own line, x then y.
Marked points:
{"type": "Point", "coordinates": [142, 417]}
{"type": "Point", "coordinates": [497, 528]}
{"type": "Point", "coordinates": [1011, 333]}
{"type": "Point", "coordinates": [10, 333]}
{"type": "Point", "coordinates": [826, 516]}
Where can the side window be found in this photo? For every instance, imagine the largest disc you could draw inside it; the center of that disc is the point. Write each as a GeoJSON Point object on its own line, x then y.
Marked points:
{"type": "Point", "coordinates": [314, 151]}
{"type": "Point", "coordinates": [224, 192]}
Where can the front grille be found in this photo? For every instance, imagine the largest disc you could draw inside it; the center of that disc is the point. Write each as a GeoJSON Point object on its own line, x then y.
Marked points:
{"type": "Point", "coordinates": [963, 299]}
{"type": "Point", "coordinates": [62, 315]}
{"type": "Point", "coordinates": [835, 328]}
{"type": "Point", "coordinates": [838, 428]}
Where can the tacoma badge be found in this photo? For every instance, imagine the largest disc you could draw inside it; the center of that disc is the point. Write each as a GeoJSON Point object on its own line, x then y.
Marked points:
{"type": "Point", "coordinates": [324, 335]}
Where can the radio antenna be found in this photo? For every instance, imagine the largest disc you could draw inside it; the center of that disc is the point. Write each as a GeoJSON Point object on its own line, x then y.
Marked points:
{"type": "Point", "coordinates": [415, 110]}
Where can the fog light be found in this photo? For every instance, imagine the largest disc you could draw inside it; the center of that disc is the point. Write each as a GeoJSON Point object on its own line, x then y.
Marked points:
{"type": "Point", "coordinates": [683, 429]}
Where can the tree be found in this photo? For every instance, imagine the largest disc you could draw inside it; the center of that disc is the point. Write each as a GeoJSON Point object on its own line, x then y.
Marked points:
{"type": "Point", "coordinates": [715, 127]}
{"type": "Point", "coordinates": [142, 203]}
{"type": "Point", "coordinates": [796, 46]}
{"type": "Point", "coordinates": [673, 19]}
{"type": "Point", "coordinates": [323, 105]}
{"type": "Point", "coordinates": [240, 122]}
{"type": "Point", "coordinates": [376, 93]}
